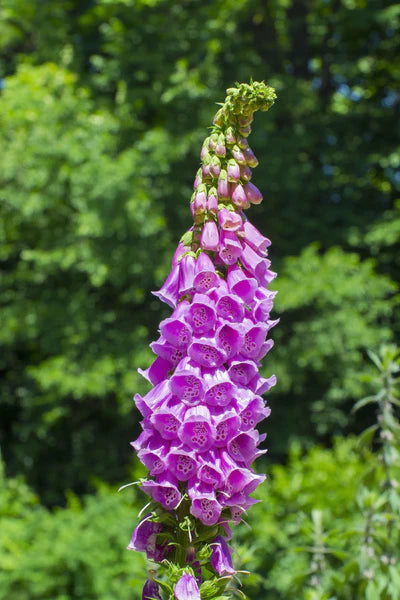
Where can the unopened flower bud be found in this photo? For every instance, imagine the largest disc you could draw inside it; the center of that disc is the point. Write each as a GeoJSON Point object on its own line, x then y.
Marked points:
{"type": "Point", "coordinates": [204, 149]}
{"type": "Point", "coordinates": [243, 143]}
{"type": "Point", "coordinates": [223, 185]}
{"type": "Point", "coordinates": [233, 170]}
{"type": "Point", "coordinates": [213, 141]}
{"type": "Point", "coordinates": [253, 193]}
{"type": "Point", "coordinates": [215, 166]}
{"type": "Point", "coordinates": [198, 178]}
{"type": "Point", "coordinates": [212, 201]}
{"type": "Point", "coordinates": [210, 236]}
{"type": "Point", "coordinates": [239, 197]}
{"type": "Point", "coordinates": [251, 158]}
{"type": "Point", "coordinates": [238, 155]}
{"type": "Point", "coordinates": [245, 173]}
{"type": "Point", "coordinates": [246, 120]}
{"type": "Point", "coordinates": [219, 118]}
{"type": "Point", "coordinates": [206, 171]}
{"type": "Point", "coordinates": [220, 149]}
{"type": "Point", "coordinates": [230, 136]}
{"type": "Point", "coordinates": [200, 201]}
{"type": "Point", "coordinates": [245, 131]}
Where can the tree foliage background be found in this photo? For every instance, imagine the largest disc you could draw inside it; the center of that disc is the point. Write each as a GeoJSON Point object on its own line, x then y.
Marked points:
{"type": "Point", "coordinates": [103, 108]}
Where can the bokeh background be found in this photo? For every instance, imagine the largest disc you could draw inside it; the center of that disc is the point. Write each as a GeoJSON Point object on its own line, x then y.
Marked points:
{"type": "Point", "coordinates": [103, 108]}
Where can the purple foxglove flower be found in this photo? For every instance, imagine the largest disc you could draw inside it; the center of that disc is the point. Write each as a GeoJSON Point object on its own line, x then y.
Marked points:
{"type": "Point", "coordinates": [186, 274]}
{"type": "Point", "coordinates": [253, 194]}
{"type": "Point", "coordinates": [219, 388]}
{"type": "Point", "coordinates": [154, 398]}
{"type": "Point", "coordinates": [201, 314]}
{"type": "Point", "coordinates": [151, 591]}
{"type": "Point", "coordinates": [255, 239]}
{"type": "Point", "coordinates": [164, 491]}
{"type": "Point", "coordinates": [210, 236]}
{"type": "Point", "coordinates": [253, 262]}
{"type": "Point", "coordinates": [245, 173]}
{"type": "Point", "coordinates": [221, 557]}
{"type": "Point", "coordinates": [175, 330]}
{"type": "Point", "coordinates": [244, 481]}
{"type": "Point", "coordinates": [243, 447]}
{"type": "Point", "coordinates": [157, 371]}
{"type": "Point", "coordinates": [182, 463]}
{"type": "Point", "coordinates": [230, 339]}
{"type": "Point", "coordinates": [165, 350]}
{"type": "Point", "coordinates": [167, 419]}
{"type": "Point", "coordinates": [241, 284]}
{"type": "Point", "coordinates": [239, 197]}
{"type": "Point", "coordinates": [204, 351]}
{"type": "Point", "coordinates": [154, 460]}
{"type": "Point", "coordinates": [254, 339]}
{"type": "Point", "coordinates": [200, 201]}
{"type": "Point", "coordinates": [197, 430]}
{"type": "Point", "coordinates": [230, 249]}
{"type": "Point", "coordinates": [198, 179]}
{"type": "Point", "coordinates": [205, 276]}
{"type": "Point", "coordinates": [226, 425]}
{"type": "Point", "coordinates": [251, 158]}
{"type": "Point", "coordinates": [205, 505]}
{"type": "Point", "coordinates": [233, 171]}
{"type": "Point", "coordinates": [253, 413]}
{"type": "Point", "coordinates": [242, 371]}
{"type": "Point", "coordinates": [230, 307]}
{"type": "Point", "coordinates": [180, 250]}
{"type": "Point", "coordinates": [213, 141]}
{"type": "Point", "coordinates": [212, 201]}
{"type": "Point", "coordinates": [187, 588]}
{"type": "Point", "coordinates": [186, 382]}
{"type": "Point", "coordinates": [265, 348]}
{"type": "Point", "coordinates": [230, 221]}
{"type": "Point", "coordinates": [169, 293]}
{"type": "Point", "coordinates": [209, 473]}
{"type": "Point", "coordinates": [267, 277]}
{"type": "Point", "coordinates": [215, 166]}
{"type": "Point", "coordinates": [238, 155]}
{"type": "Point", "coordinates": [144, 538]}
{"type": "Point", "coordinates": [223, 185]}
{"type": "Point", "coordinates": [220, 149]}
{"type": "Point", "coordinates": [260, 386]}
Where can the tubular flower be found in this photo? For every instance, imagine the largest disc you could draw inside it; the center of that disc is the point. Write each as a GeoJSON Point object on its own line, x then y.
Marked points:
{"type": "Point", "coordinates": [199, 437]}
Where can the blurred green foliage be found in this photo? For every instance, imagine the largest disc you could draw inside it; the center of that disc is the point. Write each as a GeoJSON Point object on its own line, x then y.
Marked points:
{"type": "Point", "coordinates": [103, 108]}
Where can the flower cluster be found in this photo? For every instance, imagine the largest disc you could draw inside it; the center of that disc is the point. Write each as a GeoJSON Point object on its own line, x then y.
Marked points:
{"type": "Point", "coordinates": [199, 435]}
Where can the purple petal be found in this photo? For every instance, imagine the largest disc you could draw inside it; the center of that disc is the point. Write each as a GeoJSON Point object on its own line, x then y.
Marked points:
{"type": "Point", "coordinates": [169, 293]}
{"type": "Point", "coordinates": [219, 388]}
{"type": "Point", "coordinates": [221, 557]}
{"type": "Point", "coordinates": [205, 352]}
{"type": "Point", "coordinates": [168, 419]}
{"type": "Point", "coordinates": [243, 447]}
{"type": "Point", "coordinates": [227, 426]}
{"type": "Point", "coordinates": [209, 236]}
{"type": "Point", "coordinates": [154, 398]}
{"type": "Point", "coordinates": [254, 339]}
{"type": "Point", "coordinates": [204, 506]}
{"type": "Point", "coordinates": [187, 588]}
{"type": "Point", "coordinates": [186, 383]}
{"type": "Point", "coordinates": [197, 431]}
{"type": "Point", "coordinates": [253, 262]}
{"type": "Point", "coordinates": [151, 590]}
{"type": "Point", "coordinates": [239, 197]}
{"type": "Point", "coordinates": [158, 370]}
{"type": "Point", "coordinates": [254, 238]}
{"type": "Point", "coordinates": [229, 220]}
{"type": "Point", "coordinates": [230, 249]}
{"type": "Point", "coordinates": [241, 284]}
{"type": "Point", "coordinates": [205, 276]}
{"type": "Point", "coordinates": [201, 314]}
{"type": "Point", "coordinates": [230, 307]}
{"type": "Point", "coordinates": [242, 371]}
{"type": "Point", "coordinates": [182, 463]}
{"type": "Point", "coordinates": [164, 491]}
{"type": "Point", "coordinates": [186, 274]}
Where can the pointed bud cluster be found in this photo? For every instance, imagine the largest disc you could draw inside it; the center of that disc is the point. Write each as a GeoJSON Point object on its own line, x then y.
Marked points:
{"type": "Point", "coordinates": [199, 437]}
